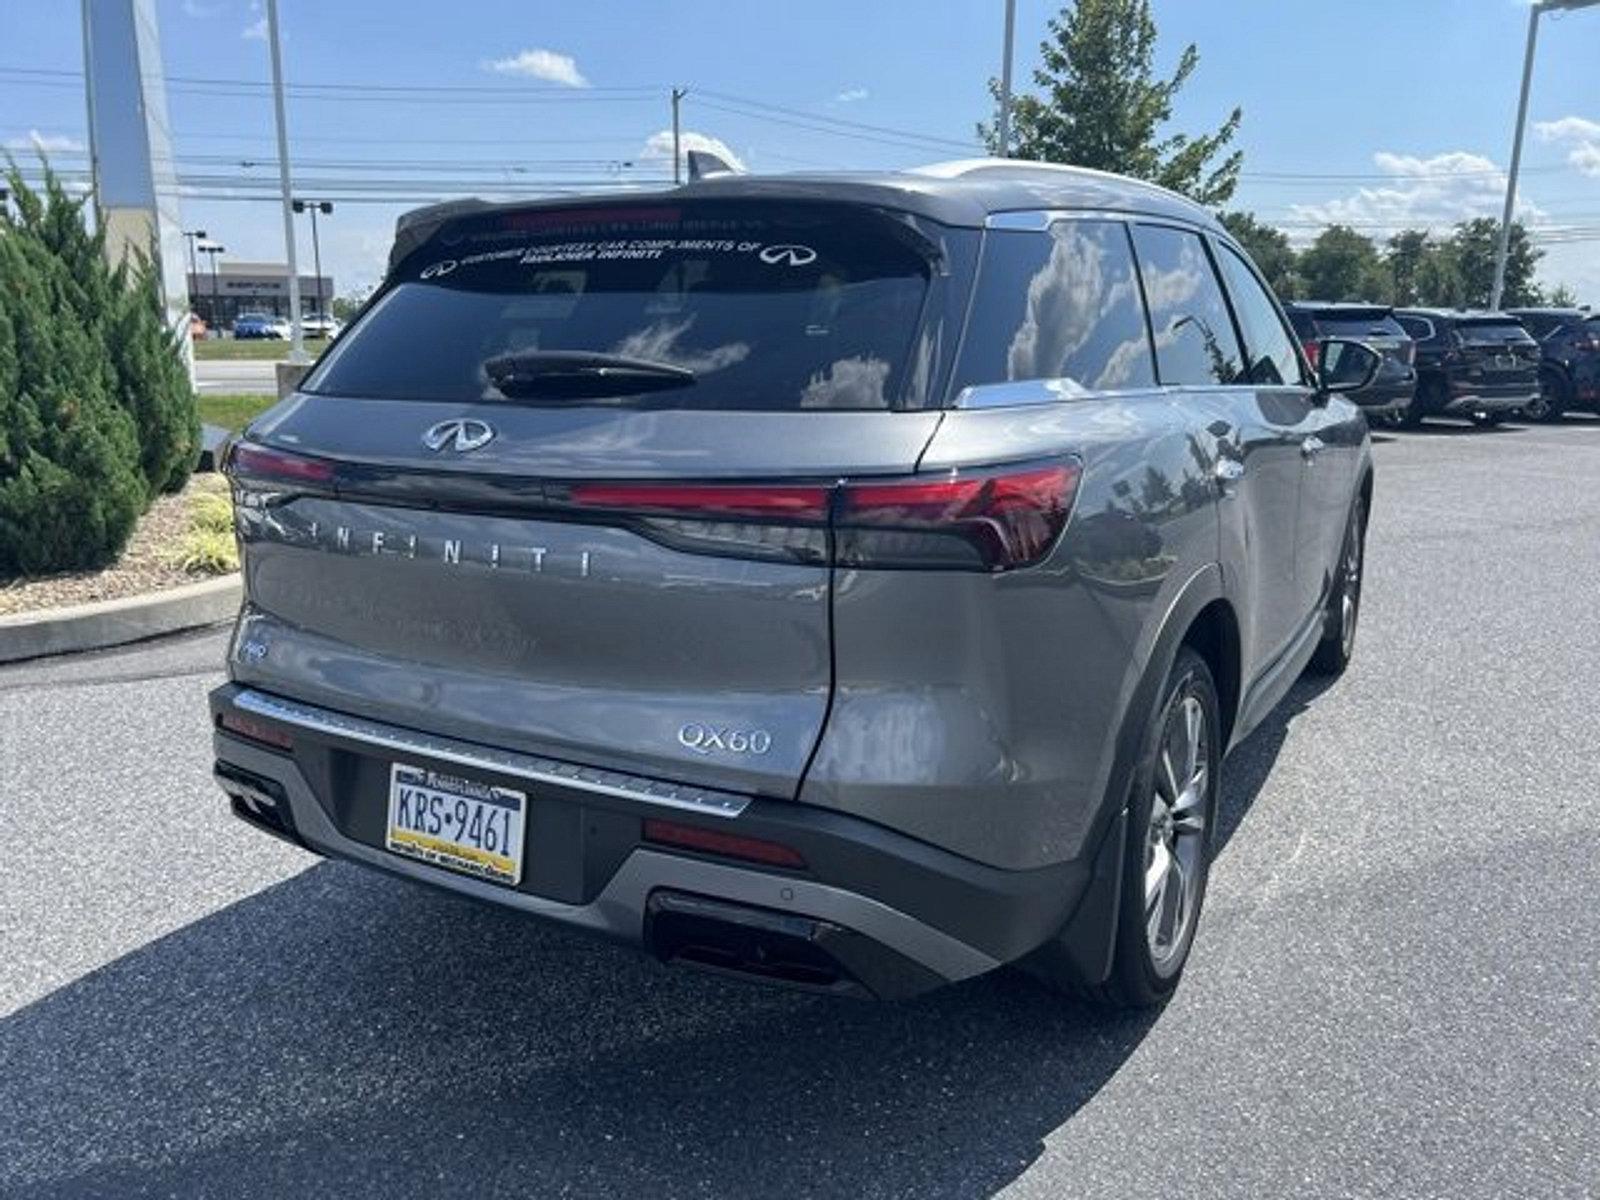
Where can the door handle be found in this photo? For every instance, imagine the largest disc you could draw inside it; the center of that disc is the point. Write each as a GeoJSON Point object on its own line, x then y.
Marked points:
{"type": "Point", "coordinates": [1311, 447]}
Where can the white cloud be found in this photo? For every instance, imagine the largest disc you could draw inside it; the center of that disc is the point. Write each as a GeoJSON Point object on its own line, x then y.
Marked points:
{"type": "Point", "coordinates": [1426, 193]}
{"type": "Point", "coordinates": [658, 147]}
{"type": "Point", "coordinates": [541, 64]}
{"type": "Point", "coordinates": [256, 30]}
{"type": "Point", "coordinates": [851, 95]}
{"type": "Point", "coordinates": [45, 143]}
{"type": "Point", "coordinates": [1580, 135]}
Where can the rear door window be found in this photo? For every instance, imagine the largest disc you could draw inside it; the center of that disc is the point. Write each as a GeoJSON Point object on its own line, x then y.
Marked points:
{"type": "Point", "coordinates": [771, 307]}
{"type": "Point", "coordinates": [1062, 306]}
{"type": "Point", "coordinates": [1271, 355]}
{"type": "Point", "coordinates": [1194, 334]}
{"type": "Point", "coordinates": [1491, 333]}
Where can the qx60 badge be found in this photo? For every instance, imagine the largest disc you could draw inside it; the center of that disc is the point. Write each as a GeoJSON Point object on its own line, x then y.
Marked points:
{"type": "Point", "coordinates": [460, 434]}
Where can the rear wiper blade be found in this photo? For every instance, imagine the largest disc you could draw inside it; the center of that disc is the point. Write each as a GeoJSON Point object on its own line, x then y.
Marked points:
{"type": "Point", "coordinates": [581, 373]}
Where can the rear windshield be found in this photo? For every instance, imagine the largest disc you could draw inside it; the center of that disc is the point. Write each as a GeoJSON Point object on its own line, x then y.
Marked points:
{"type": "Point", "coordinates": [771, 307]}
{"type": "Point", "coordinates": [1491, 332]}
{"type": "Point", "coordinates": [1383, 326]}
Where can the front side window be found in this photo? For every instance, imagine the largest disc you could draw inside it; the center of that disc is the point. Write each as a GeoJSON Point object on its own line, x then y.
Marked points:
{"type": "Point", "coordinates": [727, 306]}
{"type": "Point", "coordinates": [1195, 339]}
{"type": "Point", "coordinates": [1271, 356]}
{"type": "Point", "coordinates": [1060, 306]}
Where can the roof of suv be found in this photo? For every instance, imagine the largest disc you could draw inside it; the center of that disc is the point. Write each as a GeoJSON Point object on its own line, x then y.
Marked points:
{"type": "Point", "coordinates": [1338, 308]}
{"type": "Point", "coordinates": [965, 193]}
{"type": "Point", "coordinates": [1457, 314]}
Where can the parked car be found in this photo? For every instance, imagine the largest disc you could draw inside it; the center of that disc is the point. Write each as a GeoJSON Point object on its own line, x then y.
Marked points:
{"type": "Point", "coordinates": [1569, 366]}
{"type": "Point", "coordinates": [319, 325]}
{"type": "Point", "coordinates": [848, 582]}
{"type": "Point", "coordinates": [1391, 392]}
{"type": "Point", "coordinates": [260, 325]}
{"type": "Point", "coordinates": [1479, 365]}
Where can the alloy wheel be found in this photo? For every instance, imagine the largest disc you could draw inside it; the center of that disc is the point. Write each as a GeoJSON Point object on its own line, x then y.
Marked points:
{"type": "Point", "coordinates": [1175, 843]}
{"type": "Point", "coordinates": [1350, 591]}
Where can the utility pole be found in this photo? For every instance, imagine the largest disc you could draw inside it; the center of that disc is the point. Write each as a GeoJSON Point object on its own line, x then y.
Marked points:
{"type": "Point", "coordinates": [1004, 130]}
{"type": "Point", "coordinates": [677, 138]}
{"type": "Point", "coordinates": [314, 207]}
{"type": "Point", "coordinates": [1503, 249]}
{"type": "Point", "coordinates": [297, 345]}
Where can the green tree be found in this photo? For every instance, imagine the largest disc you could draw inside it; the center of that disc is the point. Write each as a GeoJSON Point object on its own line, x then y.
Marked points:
{"type": "Point", "coordinates": [1101, 105]}
{"type": "Point", "coordinates": [1561, 296]}
{"type": "Point", "coordinates": [1473, 245]}
{"type": "Point", "coordinates": [1269, 248]}
{"type": "Point", "coordinates": [1342, 265]}
{"type": "Point", "coordinates": [1404, 258]}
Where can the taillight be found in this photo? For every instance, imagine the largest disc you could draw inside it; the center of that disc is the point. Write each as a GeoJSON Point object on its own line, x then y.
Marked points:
{"type": "Point", "coordinates": [1313, 349]}
{"type": "Point", "coordinates": [262, 464]}
{"type": "Point", "coordinates": [981, 520]}
{"type": "Point", "coordinates": [256, 730]}
{"type": "Point", "coordinates": [1408, 352]}
{"type": "Point", "coordinates": [985, 521]}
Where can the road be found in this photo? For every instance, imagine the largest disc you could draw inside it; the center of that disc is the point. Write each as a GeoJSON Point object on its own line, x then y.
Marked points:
{"type": "Point", "coordinates": [241, 375]}
{"type": "Point", "coordinates": [1396, 990]}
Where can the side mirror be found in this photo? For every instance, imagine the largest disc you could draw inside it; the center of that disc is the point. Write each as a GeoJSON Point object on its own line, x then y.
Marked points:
{"type": "Point", "coordinates": [1345, 366]}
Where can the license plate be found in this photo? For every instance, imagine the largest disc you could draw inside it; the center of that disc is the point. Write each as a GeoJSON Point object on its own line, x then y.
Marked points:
{"type": "Point", "coordinates": [455, 823]}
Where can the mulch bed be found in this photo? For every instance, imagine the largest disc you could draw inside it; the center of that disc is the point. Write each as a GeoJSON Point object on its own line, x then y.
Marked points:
{"type": "Point", "coordinates": [145, 565]}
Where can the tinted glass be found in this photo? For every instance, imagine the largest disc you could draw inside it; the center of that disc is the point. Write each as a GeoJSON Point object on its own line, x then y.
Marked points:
{"type": "Point", "coordinates": [1063, 305]}
{"type": "Point", "coordinates": [1271, 352]}
{"type": "Point", "coordinates": [1539, 324]}
{"type": "Point", "coordinates": [1418, 327]}
{"type": "Point", "coordinates": [1497, 333]}
{"type": "Point", "coordinates": [1365, 327]}
{"type": "Point", "coordinates": [790, 307]}
{"type": "Point", "coordinates": [1195, 341]}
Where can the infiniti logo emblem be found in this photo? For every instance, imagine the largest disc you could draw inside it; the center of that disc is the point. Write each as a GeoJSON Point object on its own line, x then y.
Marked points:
{"type": "Point", "coordinates": [460, 434]}
{"type": "Point", "coordinates": [789, 256]}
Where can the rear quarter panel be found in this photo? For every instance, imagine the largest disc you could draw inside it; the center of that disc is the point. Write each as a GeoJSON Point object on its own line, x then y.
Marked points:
{"type": "Point", "coordinates": [981, 712]}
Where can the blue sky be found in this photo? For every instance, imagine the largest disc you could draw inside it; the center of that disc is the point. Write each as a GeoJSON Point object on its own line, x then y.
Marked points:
{"type": "Point", "coordinates": [1381, 114]}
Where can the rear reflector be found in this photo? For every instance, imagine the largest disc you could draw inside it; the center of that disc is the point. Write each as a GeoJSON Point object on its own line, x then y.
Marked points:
{"type": "Point", "coordinates": [249, 460]}
{"type": "Point", "coordinates": [709, 501]}
{"type": "Point", "coordinates": [255, 730]}
{"type": "Point", "coordinates": [727, 845]}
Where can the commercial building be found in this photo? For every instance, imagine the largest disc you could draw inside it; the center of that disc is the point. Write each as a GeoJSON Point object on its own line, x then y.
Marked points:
{"type": "Point", "coordinates": [240, 286]}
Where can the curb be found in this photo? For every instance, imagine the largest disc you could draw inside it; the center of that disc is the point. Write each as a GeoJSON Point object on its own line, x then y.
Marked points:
{"type": "Point", "coordinates": [117, 622]}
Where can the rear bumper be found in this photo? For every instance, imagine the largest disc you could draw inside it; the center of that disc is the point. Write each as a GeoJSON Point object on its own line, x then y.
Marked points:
{"type": "Point", "coordinates": [1465, 398]}
{"type": "Point", "coordinates": [873, 911]}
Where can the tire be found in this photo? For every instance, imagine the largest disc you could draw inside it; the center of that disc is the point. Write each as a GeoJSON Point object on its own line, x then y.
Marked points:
{"type": "Point", "coordinates": [1422, 402]}
{"type": "Point", "coordinates": [1342, 616]}
{"type": "Point", "coordinates": [1552, 400]}
{"type": "Point", "coordinates": [1167, 824]}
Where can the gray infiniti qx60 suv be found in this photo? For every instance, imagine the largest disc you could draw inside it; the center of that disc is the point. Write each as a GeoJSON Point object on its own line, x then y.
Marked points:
{"type": "Point", "coordinates": [854, 582]}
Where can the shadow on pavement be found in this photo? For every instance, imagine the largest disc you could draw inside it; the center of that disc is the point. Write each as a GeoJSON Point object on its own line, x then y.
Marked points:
{"type": "Point", "coordinates": [344, 1033]}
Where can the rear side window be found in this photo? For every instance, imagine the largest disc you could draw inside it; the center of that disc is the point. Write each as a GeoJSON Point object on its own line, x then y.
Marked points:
{"type": "Point", "coordinates": [1272, 358]}
{"type": "Point", "coordinates": [1063, 305]}
{"type": "Point", "coordinates": [1195, 339]}
{"type": "Point", "coordinates": [771, 307]}
{"type": "Point", "coordinates": [1419, 328]}
{"type": "Point", "coordinates": [1362, 327]}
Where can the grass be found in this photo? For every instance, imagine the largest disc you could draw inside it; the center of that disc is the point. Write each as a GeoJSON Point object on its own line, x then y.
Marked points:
{"type": "Point", "coordinates": [208, 547]}
{"type": "Point", "coordinates": [254, 349]}
{"type": "Point", "coordinates": [233, 411]}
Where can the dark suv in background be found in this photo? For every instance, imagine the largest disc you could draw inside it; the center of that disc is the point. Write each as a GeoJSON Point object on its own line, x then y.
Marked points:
{"type": "Point", "coordinates": [1569, 368]}
{"type": "Point", "coordinates": [1391, 391]}
{"type": "Point", "coordinates": [1479, 365]}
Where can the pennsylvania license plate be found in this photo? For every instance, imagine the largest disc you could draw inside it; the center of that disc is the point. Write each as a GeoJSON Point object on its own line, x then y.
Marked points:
{"type": "Point", "coordinates": [457, 824]}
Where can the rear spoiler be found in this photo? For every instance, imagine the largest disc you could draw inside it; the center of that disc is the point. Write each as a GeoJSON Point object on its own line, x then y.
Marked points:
{"type": "Point", "coordinates": [413, 228]}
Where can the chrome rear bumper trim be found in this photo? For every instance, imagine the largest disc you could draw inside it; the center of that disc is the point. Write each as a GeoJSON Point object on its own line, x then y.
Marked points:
{"type": "Point", "coordinates": [534, 768]}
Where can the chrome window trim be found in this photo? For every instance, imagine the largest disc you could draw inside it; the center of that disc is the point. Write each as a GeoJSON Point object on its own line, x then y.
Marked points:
{"type": "Point", "coordinates": [531, 767]}
{"type": "Point", "coordinates": [1039, 220]}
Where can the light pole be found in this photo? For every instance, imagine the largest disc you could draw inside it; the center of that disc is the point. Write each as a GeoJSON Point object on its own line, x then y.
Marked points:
{"type": "Point", "coordinates": [190, 237]}
{"type": "Point", "coordinates": [1004, 131]}
{"type": "Point", "coordinates": [297, 345]}
{"type": "Point", "coordinates": [211, 250]}
{"type": "Point", "coordinates": [314, 207]}
{"type": "Point", "coordinates": [1502, 251]}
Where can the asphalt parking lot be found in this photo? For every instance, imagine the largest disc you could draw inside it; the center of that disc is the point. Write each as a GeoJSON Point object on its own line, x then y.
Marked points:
{"type": "Point", "coordinates": [1396, 989]}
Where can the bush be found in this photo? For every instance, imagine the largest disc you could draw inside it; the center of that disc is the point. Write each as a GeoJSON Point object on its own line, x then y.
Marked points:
{"type": "Point", "coordinates": [96, 415]}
